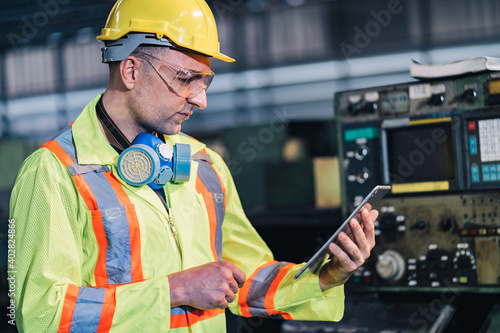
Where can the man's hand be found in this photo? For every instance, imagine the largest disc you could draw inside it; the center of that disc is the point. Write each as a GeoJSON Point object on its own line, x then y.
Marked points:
{"type": "Point", "coordinates": [352, 250]}
{"type": "Point", "coordinates": [209, 286]}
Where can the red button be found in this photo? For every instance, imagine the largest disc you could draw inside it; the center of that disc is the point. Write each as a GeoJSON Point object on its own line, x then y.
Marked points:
{"type": "Point", "coordinates": [472, 125]}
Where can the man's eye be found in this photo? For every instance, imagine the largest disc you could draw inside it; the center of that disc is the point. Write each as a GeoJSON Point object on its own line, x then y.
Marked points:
{"type": "Point", "coordinates": [186, 80]}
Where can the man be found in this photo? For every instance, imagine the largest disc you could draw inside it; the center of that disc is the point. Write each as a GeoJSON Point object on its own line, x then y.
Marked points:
{"type": "Point", "coordinates": [97, 254]}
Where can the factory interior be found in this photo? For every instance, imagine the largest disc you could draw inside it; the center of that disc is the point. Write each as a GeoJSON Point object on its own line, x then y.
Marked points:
{"type": "Point", "coordinates": [326, 99]}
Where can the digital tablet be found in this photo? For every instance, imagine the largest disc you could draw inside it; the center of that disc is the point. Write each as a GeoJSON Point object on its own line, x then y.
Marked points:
{"type": "Point", "coordinates": [372, 198]}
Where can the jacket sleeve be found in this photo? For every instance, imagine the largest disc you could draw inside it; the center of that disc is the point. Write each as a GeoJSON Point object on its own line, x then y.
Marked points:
{"type": "Point", "coordinates": [270, 289]}
{"type": "Point", "coordinates": [50, 294]}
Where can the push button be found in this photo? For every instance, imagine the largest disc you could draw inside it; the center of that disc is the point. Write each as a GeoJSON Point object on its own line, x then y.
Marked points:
{"type": "Point", "coordinates": [486, 173]}
{"type": "Point", "coordinates": [471, 125]}
{"type": "Point", "coordinates": [473, 145]}
{"type": "Point", "coordinates": [463, 279]}
{"type": "Point", "coordinates": [475, 173]}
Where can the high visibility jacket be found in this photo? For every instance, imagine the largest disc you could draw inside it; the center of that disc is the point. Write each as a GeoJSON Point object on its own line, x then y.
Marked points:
{"type": "Point", "coordinates": [93, 253]}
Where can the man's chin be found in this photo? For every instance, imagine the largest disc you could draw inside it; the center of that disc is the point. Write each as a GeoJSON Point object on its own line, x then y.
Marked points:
{"type": "Point", "coordinates": [172, 130]}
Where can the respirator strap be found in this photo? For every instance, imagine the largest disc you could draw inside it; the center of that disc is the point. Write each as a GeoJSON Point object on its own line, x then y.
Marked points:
{"type": "Point", "coordinates": [112, 130]}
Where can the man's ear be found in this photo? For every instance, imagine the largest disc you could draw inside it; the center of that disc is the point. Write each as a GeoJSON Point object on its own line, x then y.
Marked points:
{"type": "Point", "coordinates": [128, 71]}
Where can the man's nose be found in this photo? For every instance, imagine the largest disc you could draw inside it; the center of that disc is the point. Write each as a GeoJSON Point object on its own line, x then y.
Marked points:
{"type": "Point", "coordinates": [200, 100]}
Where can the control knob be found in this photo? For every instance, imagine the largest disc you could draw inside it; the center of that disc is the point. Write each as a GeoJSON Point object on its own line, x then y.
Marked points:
{"type": "Point", "coordinates": [361, 153]}
{"type": "Point", "coordinates": [420, 225]}
{"type": "Point", "coordinates": [464, 259]}
{"type": "Point", "coordinates": [469, 95]}
{"type": "Point", "coordinates": [390, 266]}
{"type": "Point", "coordinates": [388, 222]}
{"type": "Point", "coordinates": [390, 228]}
{"type": "Point", "coordinates": [354, 108]}
{"type": "Point", "coordinates": [371, 107]}
{"type": "Point", "coordinates": [436, 99]}
{"type": "Point", "coordinates": [447, 224]}
{"type": "Point", "coordinates": [362, 176]}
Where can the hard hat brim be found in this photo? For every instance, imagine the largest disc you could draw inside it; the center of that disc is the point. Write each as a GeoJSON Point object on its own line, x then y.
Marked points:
{"type": "Point", "coordinates": [120, 49]}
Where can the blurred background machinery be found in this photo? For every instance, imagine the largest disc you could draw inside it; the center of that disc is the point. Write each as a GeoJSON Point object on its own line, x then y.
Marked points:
{"type": "Point", "coordinates": [272, 117]}
{"type": "Point", "coordinates": [437, 143]}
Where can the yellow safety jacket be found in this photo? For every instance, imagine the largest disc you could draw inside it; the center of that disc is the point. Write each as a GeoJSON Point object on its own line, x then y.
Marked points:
{"type": "Point", "coordinates": [93, 252]}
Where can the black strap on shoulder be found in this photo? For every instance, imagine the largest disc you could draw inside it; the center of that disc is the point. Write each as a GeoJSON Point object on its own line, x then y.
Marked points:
{"type": "Point", "coordinates": [111, 127]}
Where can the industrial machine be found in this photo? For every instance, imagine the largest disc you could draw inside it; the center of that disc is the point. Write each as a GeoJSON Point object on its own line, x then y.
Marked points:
{"type": "Point", "coordinates": [437, 143]}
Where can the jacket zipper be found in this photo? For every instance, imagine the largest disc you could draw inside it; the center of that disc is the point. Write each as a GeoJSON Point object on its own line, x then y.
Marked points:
{"type": "Point", "coordinates": [171, 224]}
{"type": "Point", "coordinates": [169, 220]}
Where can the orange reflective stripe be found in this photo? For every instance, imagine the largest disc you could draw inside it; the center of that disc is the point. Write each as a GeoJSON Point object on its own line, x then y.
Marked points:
{"type": "Point", "coordinates": [200, 315]}
{"type": "Point", "coordinates": [191, 318]}
{"type": "Point", "coordinates": [178, 320]}
{"type": "Point", "coordinates": [79, 308]}
{"type": "Point", "coordinates": [210, 186]}
{"type": "Point", "coordinates": [245, 290]}
{"type": "Point", "coordinates": [204, 150]}
{"type": "Point", "coordinates": [223, 187]}
{"type": "Point", "coordinates": [212, 217]}
{"type": "Point", "coordinates": [54, 147]}
{"type": "Point", "coordinates": [83, 188]}
{"type": "Point", "coordinates": [269, 299]}
{"type": "Point", "coordinates": [256, 297]}
{"type": "Point", "coordinates": [81, 185]}
{"type": "Point", "coordinates": [100, 272]}
{"type": "Point", "coordinates": [134, 228]}
{"type": "Point", "coordinates": [104, 195]}
{"type": "Point", "coordinates": [68, 308]}
{"type": "Point", "coordinates": [108, 311]}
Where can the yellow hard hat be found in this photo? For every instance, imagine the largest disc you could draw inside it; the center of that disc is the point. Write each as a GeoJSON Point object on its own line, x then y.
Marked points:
{"type": "Point", "coordinates": [188, 24]}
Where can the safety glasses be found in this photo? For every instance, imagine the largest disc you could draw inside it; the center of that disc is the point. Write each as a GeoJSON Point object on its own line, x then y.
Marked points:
{"type": "Point", "coordinates": [184, 82]}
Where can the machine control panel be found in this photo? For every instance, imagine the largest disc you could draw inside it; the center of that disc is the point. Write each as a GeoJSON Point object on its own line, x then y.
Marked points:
{"type": "Point", "coordinates": [437, 143]}
{"type": "Point", "coordinates": [436, 241]}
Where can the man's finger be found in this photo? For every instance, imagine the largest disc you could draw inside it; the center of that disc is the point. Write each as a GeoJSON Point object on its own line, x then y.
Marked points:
{"type": "Point", "coordinates": [223, 305]}
{"type": "Point", "coordinates": [234, 287]}
{"type": "Point", "coordinates": [360, 239]}
{"type": "Point", "coordinates": [369, 228]}
{"type": "Point", "coordinates": [340, 251]}
{"type": "Point", "coordinates": [230, 297]}
{"type": "Point", "coordinates": [239, 276]}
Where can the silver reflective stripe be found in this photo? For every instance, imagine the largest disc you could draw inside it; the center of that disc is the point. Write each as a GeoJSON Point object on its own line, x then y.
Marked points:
{"type": "Point", "coordinates": [77, 169]}
{"type": "Point", "coordinates": [114, 216]}
{"type": "Point", "coordinates": [210, 179]}
{"type": "Point", "coordinates": [88, 309]}
{"type": "Point", "coordinates": [260, 286]}
{"type": "Point", "coordinates": [202, 156]}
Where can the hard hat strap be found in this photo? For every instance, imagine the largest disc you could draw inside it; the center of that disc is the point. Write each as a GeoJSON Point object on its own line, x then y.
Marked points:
{"type": "Point", "coordinates": [120, 49]}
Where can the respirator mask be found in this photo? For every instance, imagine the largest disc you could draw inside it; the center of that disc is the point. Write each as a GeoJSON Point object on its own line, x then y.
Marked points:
{"type": "Point", "coordinates": [151, 161]}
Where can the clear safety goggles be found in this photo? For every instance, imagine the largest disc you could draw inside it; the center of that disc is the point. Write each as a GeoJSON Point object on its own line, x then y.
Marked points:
{"type": "Point", "coordinates": [184, 82]}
